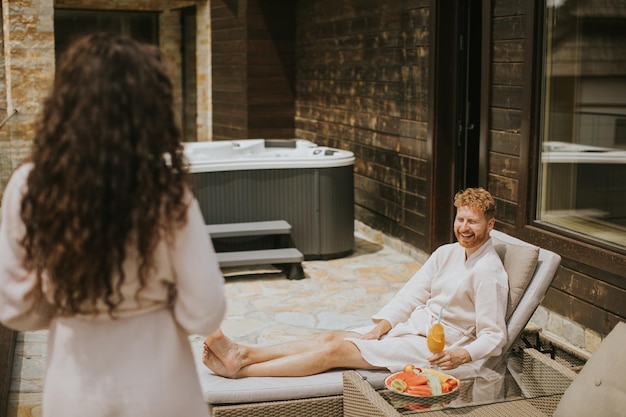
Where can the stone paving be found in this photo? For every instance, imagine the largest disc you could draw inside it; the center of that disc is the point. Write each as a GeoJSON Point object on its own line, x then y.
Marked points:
{"type": "Point", "coordinates": [265, 307]}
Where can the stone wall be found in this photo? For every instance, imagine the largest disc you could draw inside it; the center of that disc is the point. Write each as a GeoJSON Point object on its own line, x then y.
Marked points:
{"type": "Point", "coordinates": [204, 81]}
{"type": "Point", "coordinates": [5, 160]}
{"type": "Point", "coordinates": [28, 63]}
{"type": "Point", "coordinates": [28, 59]}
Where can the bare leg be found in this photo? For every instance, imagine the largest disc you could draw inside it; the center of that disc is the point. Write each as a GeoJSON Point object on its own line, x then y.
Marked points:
{"type": "Point", "coordinates": [298, 358]}
{"type": "Point", "coordinates": [227, 350]}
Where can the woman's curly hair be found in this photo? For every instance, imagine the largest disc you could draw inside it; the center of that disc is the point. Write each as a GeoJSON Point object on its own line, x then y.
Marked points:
{"type": "Point", "coordinates": [108, 170]}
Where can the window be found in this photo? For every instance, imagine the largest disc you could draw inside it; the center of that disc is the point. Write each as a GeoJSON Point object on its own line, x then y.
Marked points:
{"type": "Point", "coordinates": [582, 178]}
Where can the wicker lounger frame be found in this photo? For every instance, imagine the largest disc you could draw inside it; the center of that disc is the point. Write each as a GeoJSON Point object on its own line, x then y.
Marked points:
{"type": "Point", "coordinates": [361, 400]}
{"type": "Point", "coordinates": [310, 407]}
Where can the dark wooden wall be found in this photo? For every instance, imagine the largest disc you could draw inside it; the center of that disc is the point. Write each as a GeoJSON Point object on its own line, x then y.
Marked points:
{"type": "Point", "coordinates": [591, 297]}
{"type": "Point", "coordinates": [271, 83]}
{"type": "Point", "coordinates": [229, 69]}
{"type": "Point", "coordinates": [7, 343]}
{"type": "Point", "coordinates": [506, 144]}
{"type": "Point", "coordinates": [361, 80]}
{"type": "Point", "coordinates": [362, 84]}
{"type": "Point", "coordinates": [253, 68]}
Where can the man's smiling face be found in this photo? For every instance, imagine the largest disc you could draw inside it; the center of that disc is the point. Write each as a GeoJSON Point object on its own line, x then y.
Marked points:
{"type": "Point", "coordinates": [471, 228]}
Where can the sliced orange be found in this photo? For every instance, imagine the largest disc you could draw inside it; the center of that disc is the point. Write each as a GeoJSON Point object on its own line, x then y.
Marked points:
{"type": "Point", "coordinates": [436, 338]}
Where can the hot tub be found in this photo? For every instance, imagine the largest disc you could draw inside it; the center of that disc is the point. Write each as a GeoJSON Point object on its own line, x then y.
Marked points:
{"type": "Point", "coordinates": [251, 180]}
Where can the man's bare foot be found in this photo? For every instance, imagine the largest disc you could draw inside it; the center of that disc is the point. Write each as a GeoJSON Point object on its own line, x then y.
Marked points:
{"type": "Point", "coordinates": [213, 363]}
{"type": "Point", "coordinates": [223, 356]}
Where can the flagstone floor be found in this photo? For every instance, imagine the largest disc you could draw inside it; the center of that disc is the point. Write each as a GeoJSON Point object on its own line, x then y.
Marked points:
{"type": "Point", "coordinates": [265, 307]}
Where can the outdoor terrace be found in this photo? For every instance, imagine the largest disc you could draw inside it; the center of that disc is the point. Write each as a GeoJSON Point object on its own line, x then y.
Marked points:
{"type": "Point", "coordinates": [265, 307]}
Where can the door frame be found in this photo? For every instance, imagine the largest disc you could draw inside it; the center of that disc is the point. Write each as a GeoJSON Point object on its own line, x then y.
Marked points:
{"type": "Point", "coordinates": [7, 349]}
{"type": "Point", "coordinates": [448, 113]}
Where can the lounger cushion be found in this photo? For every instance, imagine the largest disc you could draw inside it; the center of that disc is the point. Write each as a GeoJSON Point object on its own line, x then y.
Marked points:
{"type": "Point", "coordinates": [600, 387]}
{"type": "Point", "coordinates": [520, 263]}
{"type": "Point", "coordinates": [220, 390]}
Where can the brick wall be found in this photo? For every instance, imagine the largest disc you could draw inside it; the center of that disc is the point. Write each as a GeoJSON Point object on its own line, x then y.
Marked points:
{"type": "Point", "coordinates": [362, 71]}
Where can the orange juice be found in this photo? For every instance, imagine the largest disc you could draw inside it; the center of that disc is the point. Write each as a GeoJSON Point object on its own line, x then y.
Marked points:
{"type": "Point", "coordinates": [436, 339]}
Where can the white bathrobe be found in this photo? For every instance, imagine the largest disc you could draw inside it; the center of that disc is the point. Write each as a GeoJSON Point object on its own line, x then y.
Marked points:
{"type": "Point", "coordinates": [139, 364]}
{"type": "Point", "coordinates": [475, 291]}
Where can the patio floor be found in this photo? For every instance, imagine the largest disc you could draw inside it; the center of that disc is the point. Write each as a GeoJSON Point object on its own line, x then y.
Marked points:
{"type": "Point", "coordinates": [263, 306]}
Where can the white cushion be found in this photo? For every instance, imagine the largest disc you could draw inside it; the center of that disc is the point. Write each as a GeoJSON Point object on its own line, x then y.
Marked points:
{"type": "Point", "coordinates": [220, 390]}
{"type": "Point", "coordinates": [519, 262]}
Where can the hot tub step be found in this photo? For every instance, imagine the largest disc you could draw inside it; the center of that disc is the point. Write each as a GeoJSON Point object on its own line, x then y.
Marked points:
{"type": "Point", "coordinates": [273, 227]}
{"type": "Point", "coordinates": [226, 239]}
{"type": "Point", "coordinates": [256, 257]}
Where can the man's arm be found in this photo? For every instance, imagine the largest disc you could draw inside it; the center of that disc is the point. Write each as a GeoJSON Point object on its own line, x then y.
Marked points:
{"type": "Point", "coordinates": [381, 329]}
{"type": "Point", "coordinates": [414, 293]}
{"type": "Point", "coordinates": [450, 359]}
{"type": "Point", "coordinates": [490, 302]}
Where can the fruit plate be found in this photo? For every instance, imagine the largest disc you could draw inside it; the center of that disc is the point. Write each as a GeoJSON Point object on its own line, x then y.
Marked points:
{"type": "Point", "coordinates": [421, 402]}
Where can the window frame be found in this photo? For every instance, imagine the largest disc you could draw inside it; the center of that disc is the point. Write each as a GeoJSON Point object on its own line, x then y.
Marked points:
{"type": "Point", "coordinates": [585, 254]}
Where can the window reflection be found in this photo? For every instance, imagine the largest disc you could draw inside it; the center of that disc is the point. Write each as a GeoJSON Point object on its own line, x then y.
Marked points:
{"type": "Point", "coordinates": [582, 185]}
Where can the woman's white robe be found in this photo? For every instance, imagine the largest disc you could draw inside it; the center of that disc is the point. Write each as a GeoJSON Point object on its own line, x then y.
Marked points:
{"type": "Point", "coordinates": [139, 364]}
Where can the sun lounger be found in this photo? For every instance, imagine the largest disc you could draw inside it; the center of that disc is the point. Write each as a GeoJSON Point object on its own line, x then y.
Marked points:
{"type": "Point", "coordinates": [530, 270]}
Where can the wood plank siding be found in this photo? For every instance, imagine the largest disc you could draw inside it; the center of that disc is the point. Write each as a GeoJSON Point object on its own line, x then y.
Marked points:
{"type": "Point", "coordinates": [7, 344]}
{"type": "Point", "coordinates": [253, 69]}
{"type": "Point", "coordinates": [229, 68]}
{"type": "Point", "coordinates": [363, 82]}
{"type": "Point", "coordinates": [362, 74]}
{"type": "Point", "coordinates": [506, 142]}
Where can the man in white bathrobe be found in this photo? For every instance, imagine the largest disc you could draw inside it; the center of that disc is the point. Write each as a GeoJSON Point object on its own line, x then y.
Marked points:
{"type": "Point", "coordinates": [467, 277]}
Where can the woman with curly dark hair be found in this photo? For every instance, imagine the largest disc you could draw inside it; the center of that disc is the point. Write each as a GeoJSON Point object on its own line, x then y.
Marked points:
{"type": "Point", "coordinates": [103, 243]}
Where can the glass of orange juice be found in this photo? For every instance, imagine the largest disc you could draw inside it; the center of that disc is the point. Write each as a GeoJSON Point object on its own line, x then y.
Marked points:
{"type": "Point", "coordinates": [436, 339]}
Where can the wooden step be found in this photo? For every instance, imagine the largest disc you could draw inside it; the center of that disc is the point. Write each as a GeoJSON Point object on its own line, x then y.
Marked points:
{"type": "Point", "coordinates": [272, 227]}
{"type": "Point", "coordinates": [256, 257]}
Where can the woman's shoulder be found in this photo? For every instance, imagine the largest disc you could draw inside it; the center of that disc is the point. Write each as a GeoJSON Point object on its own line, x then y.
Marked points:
{"type": "Point", "coordinates": [23, 169]}
{"type": "Point", "coordinates": [18, 177]}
